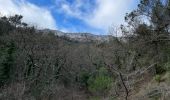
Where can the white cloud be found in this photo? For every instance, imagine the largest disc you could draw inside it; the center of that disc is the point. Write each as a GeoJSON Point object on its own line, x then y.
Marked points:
{"type": "Point", "coordinates": [71, 9]}
{"type": "Point", "coordinates": [108, 12]}
{"type": "Point", "coordinates": [39, 16]}
{"type": "Point", "coordinates": [101, 15]}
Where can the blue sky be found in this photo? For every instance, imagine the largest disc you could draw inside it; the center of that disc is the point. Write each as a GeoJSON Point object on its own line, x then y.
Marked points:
{"type": "Point", "coordinates": [92, 16]}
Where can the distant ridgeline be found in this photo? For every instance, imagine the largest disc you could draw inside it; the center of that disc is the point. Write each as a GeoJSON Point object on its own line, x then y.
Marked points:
{"type": "Point", "coordinates": [79, 37]}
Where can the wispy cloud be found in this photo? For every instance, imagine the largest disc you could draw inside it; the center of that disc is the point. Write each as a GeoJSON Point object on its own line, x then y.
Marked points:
{"type": "Point", "coordinates": [35, 15]}
{"type": "Point", "coordinates": [99, 14]}
{"type": "Point", "coordinates": [76, 8]}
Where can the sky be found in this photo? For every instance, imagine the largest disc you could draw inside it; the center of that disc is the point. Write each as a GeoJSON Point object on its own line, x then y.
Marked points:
{"type": "Point", "coordinates": [91, 16]}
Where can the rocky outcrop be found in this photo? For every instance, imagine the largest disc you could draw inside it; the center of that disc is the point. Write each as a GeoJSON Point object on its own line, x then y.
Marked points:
{"type": "Point", "coordinates": [80, 37]}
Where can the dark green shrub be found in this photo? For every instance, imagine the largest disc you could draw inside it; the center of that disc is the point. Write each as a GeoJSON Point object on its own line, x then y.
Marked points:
{"type": "Point", "coordinates": [100, 82]}
{"type": "Point", "coordinates": [6, 62]}
{"type": "Point", "coordinates": [83, 78]}
{"type": "Point", "coordinates": [160, 69]}
{"type": "Point", "coordinates": [157, 78]}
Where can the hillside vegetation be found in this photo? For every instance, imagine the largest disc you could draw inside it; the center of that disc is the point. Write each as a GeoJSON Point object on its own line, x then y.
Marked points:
{"type": "Point", "coordinates": [37, 65]}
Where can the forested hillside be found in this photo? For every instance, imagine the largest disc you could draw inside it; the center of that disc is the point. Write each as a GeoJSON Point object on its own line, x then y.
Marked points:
{"type": "Point", "coordinates": [40, 65]}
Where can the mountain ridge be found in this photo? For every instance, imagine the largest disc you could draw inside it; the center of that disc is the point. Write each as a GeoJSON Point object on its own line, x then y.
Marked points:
{"type": "Point", "coordinates": [80, 37]}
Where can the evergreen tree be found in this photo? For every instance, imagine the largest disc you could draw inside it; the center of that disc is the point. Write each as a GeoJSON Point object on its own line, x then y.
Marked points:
{"type": "Point", "coordinates": [6, 62]}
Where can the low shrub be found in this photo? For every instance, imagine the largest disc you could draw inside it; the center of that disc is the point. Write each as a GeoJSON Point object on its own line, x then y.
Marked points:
{"type": "Point", "coordinates": [157, 78]}
{"type": "Point", "coordinates": [100, 82]}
